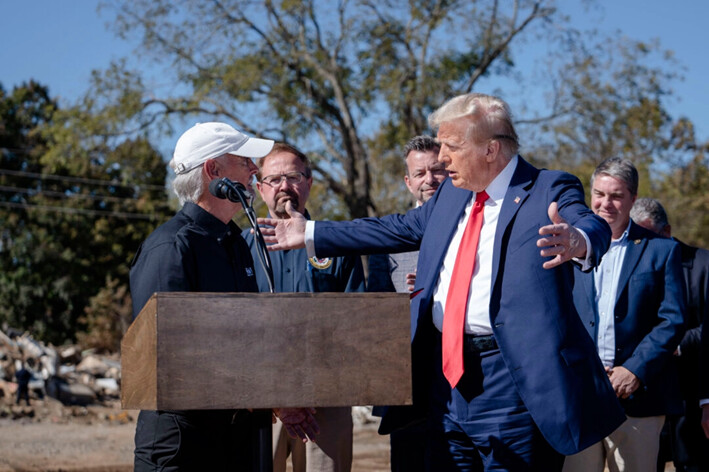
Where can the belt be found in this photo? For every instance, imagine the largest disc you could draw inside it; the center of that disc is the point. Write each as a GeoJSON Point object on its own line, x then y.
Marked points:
{"type": "Point", "coordinates": [473, 344]}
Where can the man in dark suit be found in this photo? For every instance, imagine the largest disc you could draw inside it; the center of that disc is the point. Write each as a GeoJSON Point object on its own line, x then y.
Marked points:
{"type": "Point", "coordinates": [395, 273]}
{"type": "Point", "coordinates": [526, 385]}
{"type": "Point", "coordinates": [633, 307]}
{"type": "Point", "coordinates": [684, 440]}
{"type": "Point", "coordinates": [703, 377]}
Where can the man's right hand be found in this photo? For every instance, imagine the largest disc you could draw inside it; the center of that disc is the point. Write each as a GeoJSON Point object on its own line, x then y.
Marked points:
{"type": "Point", "coordinates": [299, 422]}
{"type": "Point", "coordinates": [624, 382]}
{"type": "Point", "coordinates": [284, 234]}
{"type": "Point", "coordinates": [410, 281]}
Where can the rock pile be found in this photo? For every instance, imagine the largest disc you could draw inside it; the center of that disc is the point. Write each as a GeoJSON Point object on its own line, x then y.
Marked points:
{"type": "Point", "coordinates": [65, 380]}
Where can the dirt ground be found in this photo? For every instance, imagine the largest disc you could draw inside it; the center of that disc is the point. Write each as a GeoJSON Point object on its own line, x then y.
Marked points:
{"type": "Point", "coordinates": [52, 438]}
{"type": "Point", "coordinates": [49, 437]}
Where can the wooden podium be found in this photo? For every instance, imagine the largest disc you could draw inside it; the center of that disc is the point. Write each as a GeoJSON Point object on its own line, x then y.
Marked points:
{"type": "Point", "coordinates": [196, 351]}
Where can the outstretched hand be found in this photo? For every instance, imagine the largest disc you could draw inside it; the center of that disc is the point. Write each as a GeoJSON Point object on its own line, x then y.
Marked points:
{"type": "Point", "coordinates": [299, 422]}
{"type": "Point", "coordinates": [282, 234]}
{"type": "Point", "coordinates": [561, 241]}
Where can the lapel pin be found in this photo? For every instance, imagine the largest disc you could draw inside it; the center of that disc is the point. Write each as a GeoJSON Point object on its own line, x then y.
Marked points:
{"type": "Point", "coordinates": [637, 241]}
{"type": "Point", "coordinates": [517, 199]}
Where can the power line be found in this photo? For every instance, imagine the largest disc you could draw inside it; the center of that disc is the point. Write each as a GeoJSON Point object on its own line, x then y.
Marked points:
{"type": "Point", "coordinates": [65, 178]}
{"type": "Point", "coordinates": [6, 188]}
{"type": "Point", "coordinates": [80, 211]}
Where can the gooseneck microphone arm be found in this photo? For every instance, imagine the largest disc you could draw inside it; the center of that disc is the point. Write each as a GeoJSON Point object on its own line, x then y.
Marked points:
{"type": "Point", "coordinates": [236, 192]}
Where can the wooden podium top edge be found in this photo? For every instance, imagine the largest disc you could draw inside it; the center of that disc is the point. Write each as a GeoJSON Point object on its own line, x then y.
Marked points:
{"type": "Point", "coordinates": [278, 294]}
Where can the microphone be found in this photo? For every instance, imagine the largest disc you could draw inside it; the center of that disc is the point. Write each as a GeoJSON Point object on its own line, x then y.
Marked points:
{"type": "Point", "coordinates": [236, 192]}
{"type": "Point", "coordinates": [228, 189]}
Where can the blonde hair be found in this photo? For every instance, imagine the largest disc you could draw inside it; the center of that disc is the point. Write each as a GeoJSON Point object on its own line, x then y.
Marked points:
{"type": "Point", "coordinates": [490, 118]}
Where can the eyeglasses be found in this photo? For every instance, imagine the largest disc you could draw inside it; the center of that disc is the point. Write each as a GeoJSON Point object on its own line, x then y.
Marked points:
{"type": "Point", "coordinates": [292, 178]}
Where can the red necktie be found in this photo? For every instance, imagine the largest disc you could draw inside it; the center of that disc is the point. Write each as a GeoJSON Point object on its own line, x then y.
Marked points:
{"type": "Point", "coordinates": [457, 299]}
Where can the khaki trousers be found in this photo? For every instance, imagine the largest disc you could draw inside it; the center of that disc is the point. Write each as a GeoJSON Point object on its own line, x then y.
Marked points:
{"type": "Point", "coordinates": [331, 453]}
{"type": "Point", "coordinates": [633, 447]}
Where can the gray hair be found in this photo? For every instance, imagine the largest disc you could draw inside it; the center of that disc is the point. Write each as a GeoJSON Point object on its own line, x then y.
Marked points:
{"type": "Point", "coordinates": [649, 209]}
{"type": "Point", "coordinates": [188, 186]}
{"type": "Point", "coordinates": [621, 169]}
{"type": "Point", "coordinates": [491, 119]}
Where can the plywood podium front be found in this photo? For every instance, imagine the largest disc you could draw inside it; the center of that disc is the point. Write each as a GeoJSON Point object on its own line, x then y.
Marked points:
{"type": "Point", "coordinates": [196, 351]}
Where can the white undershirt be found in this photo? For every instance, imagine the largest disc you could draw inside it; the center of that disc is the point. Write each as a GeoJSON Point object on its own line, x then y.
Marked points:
{"type": "Point", "coordinates": [477, 318]}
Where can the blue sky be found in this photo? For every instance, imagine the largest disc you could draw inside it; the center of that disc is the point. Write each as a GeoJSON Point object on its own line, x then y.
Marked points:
{"type": "Point", "coordinates": [58, 43]}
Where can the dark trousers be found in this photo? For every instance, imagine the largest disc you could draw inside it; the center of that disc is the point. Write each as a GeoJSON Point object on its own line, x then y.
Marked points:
{"type": "Point", "coordinates": [683, 442]}
{"type": "Point", "coordinates": [408, 449]}
{"type": "Point", "coordinates": [486, 425]}
{"type": "Point", "coordinates": [214, 440]}
{"type": "Point", "coordinates": [23, 391]}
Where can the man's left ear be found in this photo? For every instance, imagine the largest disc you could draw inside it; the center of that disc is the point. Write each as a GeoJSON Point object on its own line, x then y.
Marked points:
{"type": "Point", "coordinates": [211, 167]}
{"type": "Point", "coordinates": [493, 149]}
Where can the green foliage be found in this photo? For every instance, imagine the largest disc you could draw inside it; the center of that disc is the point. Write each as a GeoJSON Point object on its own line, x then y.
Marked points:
{"type": "Point", "coordinates": [349, 82]}
{"type": "Point", "coordinates": [107, 318]}
{"type": "Point", "coordinates": [74, 207]}
{"type": "Point", "coordinates": [613, 103]}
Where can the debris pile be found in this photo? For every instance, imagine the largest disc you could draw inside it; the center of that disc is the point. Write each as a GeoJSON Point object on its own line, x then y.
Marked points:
{"type": "Point", "coordinates": [65, 382]}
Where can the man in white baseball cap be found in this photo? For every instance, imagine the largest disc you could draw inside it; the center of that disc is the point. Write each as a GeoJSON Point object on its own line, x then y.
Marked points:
{"type": "Point", "coordinates": [201, 250]}
{"type": "Point", "coordinates": [206, 141]}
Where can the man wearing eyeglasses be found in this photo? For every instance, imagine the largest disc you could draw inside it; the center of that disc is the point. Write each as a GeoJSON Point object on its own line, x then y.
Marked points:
{"type": "Point", "coordinates": [286, 177]}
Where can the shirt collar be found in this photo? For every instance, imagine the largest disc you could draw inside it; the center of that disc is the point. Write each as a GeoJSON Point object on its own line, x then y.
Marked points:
{"type": "Point", "coordinates": [210, 223]}
{"type": "Point", "coordinates": [498, 187]}
{"type": "Point", "coordinates": [623, 237]}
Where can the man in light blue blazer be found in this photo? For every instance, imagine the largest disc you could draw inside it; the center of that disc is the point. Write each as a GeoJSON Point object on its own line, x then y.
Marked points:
{"type": "Point", "coordinates": [633, 307]}
{"type": "Point", "coordinates": [532, 387]}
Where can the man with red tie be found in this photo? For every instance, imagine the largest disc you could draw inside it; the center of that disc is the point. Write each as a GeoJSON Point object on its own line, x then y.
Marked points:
{"type": "Point", "coordinates": [501, 360]}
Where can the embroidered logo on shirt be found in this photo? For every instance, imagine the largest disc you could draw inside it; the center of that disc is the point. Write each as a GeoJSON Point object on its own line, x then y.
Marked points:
{"type": "Point", "coordinates": [320, 263]}
{"type": "Point", "coordinates": [249, 272]}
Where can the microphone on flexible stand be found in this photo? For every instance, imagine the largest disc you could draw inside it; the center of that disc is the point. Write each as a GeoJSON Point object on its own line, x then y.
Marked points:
{"type": "Point", "coordinates": [236, 192]}
{"type": "Point", "coordinates": [230, 190]}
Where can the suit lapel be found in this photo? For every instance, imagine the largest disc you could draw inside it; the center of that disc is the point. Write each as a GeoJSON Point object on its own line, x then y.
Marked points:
{"type": "Point", "coordinates": [633, 252]}
{"type": "Point", "coordinates": [516, 195]}
{"type": "Point", "coordinates": [450, 206]}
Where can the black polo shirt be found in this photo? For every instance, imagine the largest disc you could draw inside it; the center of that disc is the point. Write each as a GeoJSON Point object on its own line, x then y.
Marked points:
{"type": "Point", "coordinates": [193, 252]}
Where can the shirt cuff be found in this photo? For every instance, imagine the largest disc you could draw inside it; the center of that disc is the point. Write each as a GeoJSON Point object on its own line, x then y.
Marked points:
{"type": "Point", "coordinates": [586, 262]}
{"type": "Point", "coordinates": [704, 401]}
{"type": "Point", "coordinates": [310, 238]}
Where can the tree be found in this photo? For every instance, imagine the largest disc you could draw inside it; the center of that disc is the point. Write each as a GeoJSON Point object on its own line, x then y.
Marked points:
{"type": "Point", "coordinates": [346, 81]}
{"type": "Point", "coordinates": [612, 101]}
{"type": "Point", "coordinates": [74, 207]}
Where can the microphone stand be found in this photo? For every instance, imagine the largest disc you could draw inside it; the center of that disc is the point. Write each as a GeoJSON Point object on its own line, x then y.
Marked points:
{"type": "Point", "coordinates": [262, 454]}
{"type": "Point", "coordinates": [235, 189]}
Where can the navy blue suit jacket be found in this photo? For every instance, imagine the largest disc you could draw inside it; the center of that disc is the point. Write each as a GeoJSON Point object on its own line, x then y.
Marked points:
{"type": "Point", "coordinates": [549, 354]}
{"type": "Point", "coordinates": [649, 319]}
{"type": "Point", "coordinates": [704, 360]}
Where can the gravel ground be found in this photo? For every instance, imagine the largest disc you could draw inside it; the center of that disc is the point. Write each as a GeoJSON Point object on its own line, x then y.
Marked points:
{"type": "Point", "coordinates": [51, 438]}
{"type": "Point", "coordinates": [101, 440]}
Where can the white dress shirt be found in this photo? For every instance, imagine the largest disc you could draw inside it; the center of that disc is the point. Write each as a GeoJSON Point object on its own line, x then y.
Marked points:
{"type": "Point", "coordinates": [477, 320]}
{"type": "Point", "coordinates": [605, 278]}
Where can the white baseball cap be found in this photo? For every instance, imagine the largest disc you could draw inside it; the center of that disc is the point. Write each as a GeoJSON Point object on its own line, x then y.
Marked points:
{"type": "Point", "coordinates": [206, 141]}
